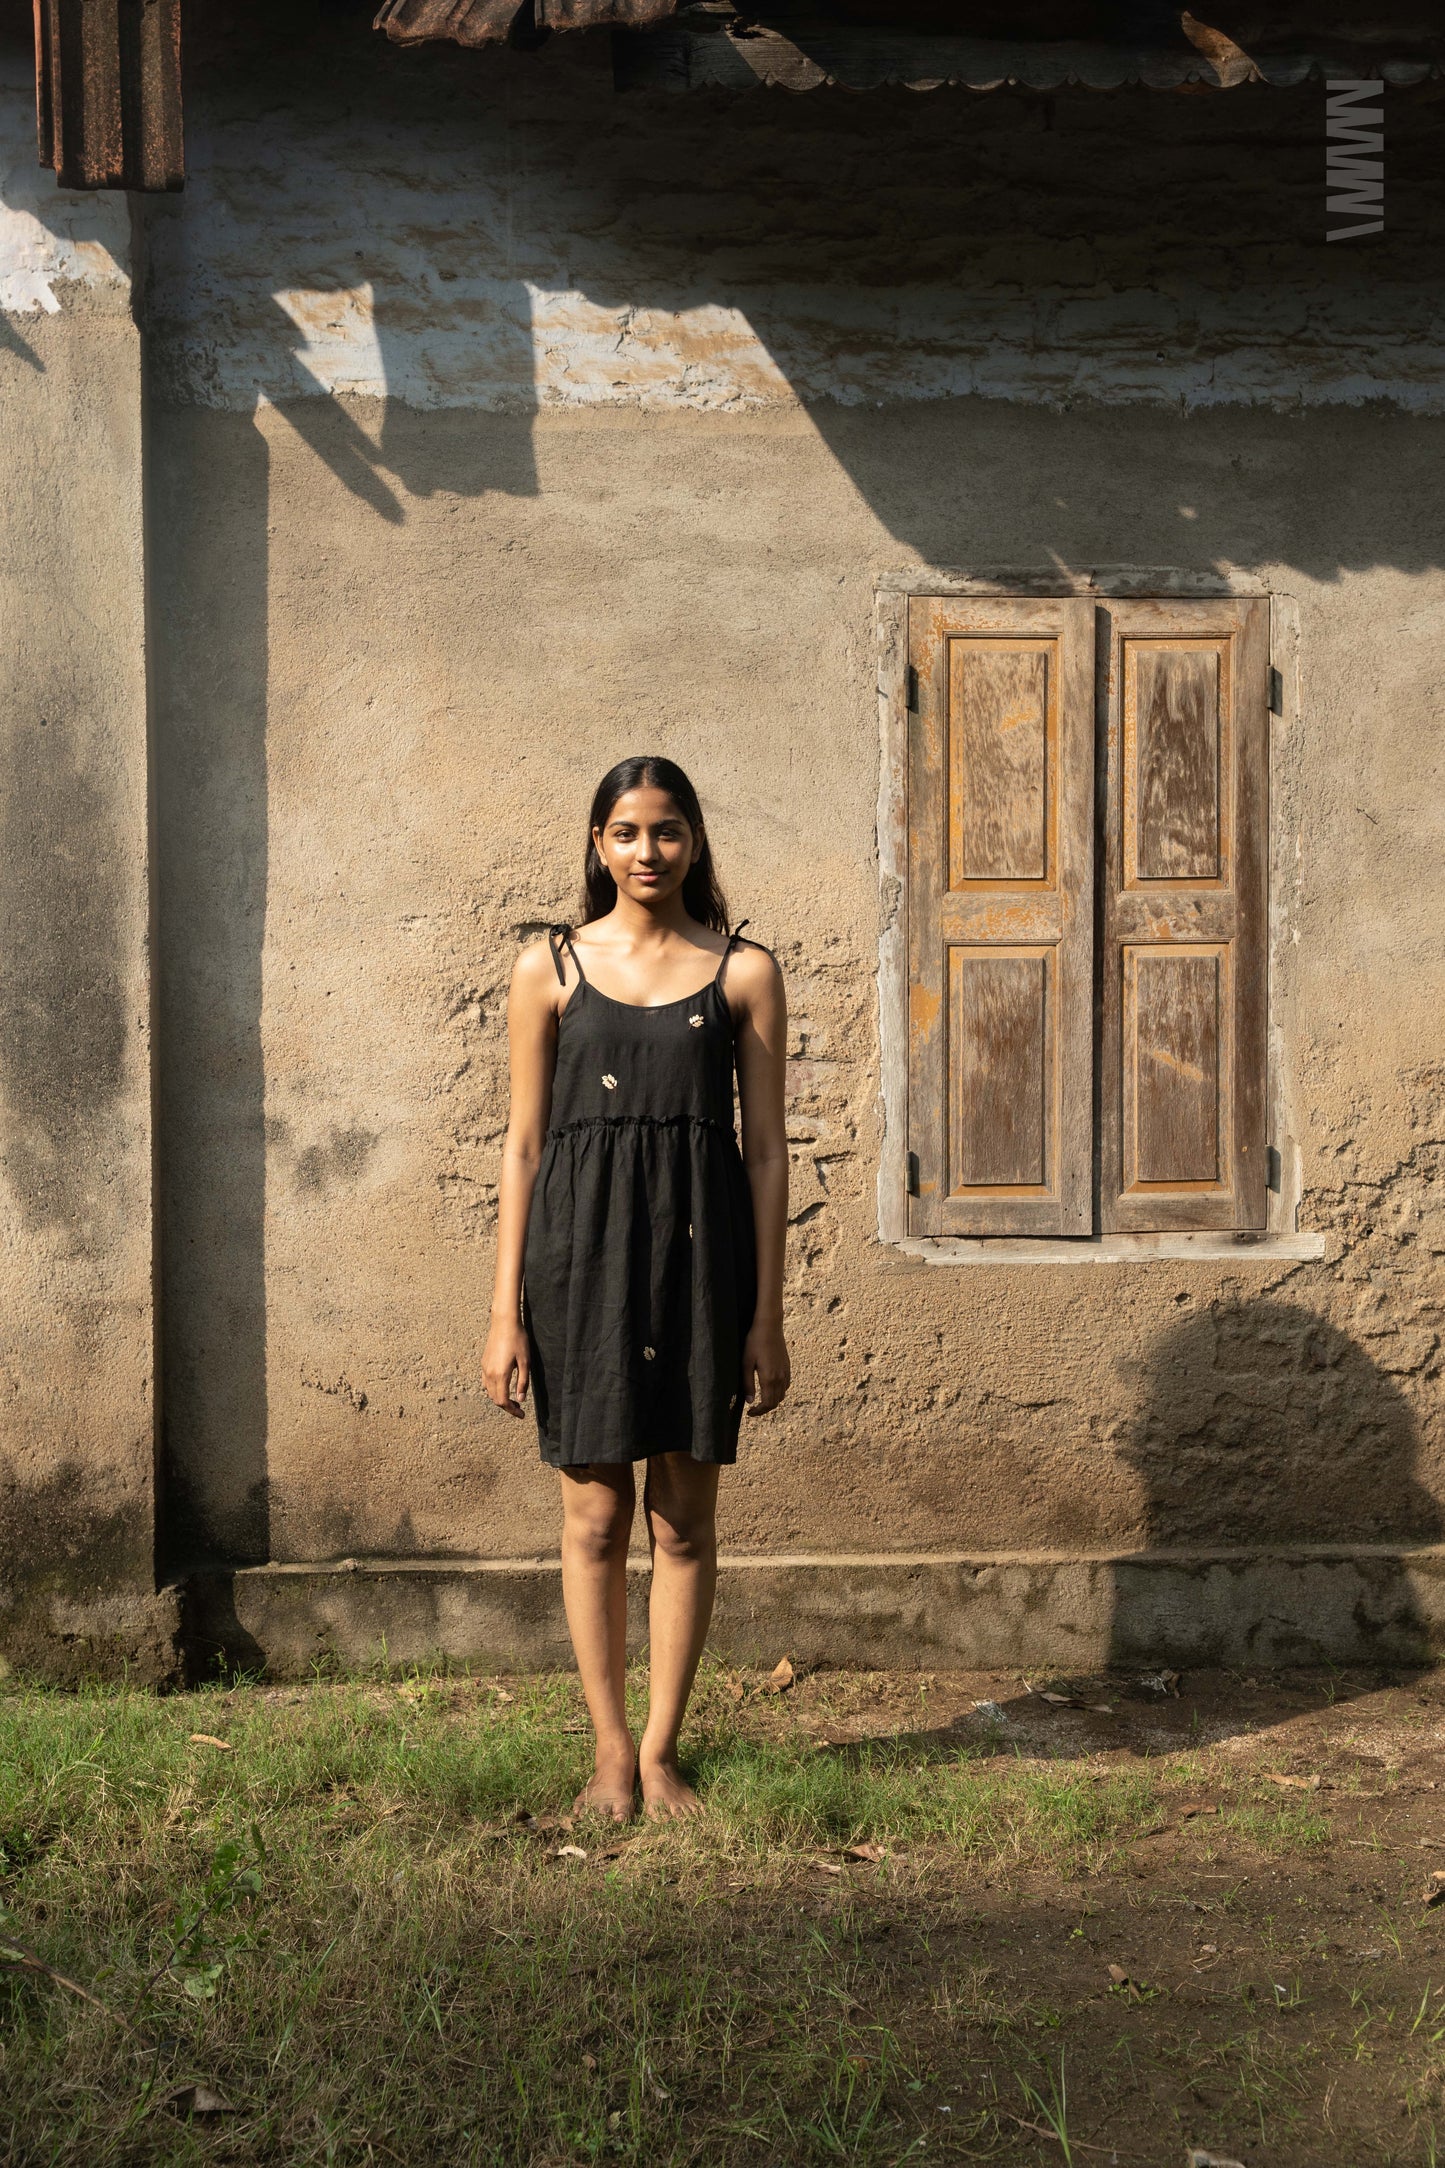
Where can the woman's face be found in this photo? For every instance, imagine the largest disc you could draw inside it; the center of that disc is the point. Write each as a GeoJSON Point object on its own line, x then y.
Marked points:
{"type": "Point", "coordinates": [646, 845]}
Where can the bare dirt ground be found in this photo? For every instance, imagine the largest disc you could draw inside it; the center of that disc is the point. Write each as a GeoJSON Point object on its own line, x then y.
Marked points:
{"type": "Point", "coordinates": [1249, 1982]}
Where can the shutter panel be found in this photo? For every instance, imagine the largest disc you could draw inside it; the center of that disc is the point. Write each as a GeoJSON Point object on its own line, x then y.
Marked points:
{"type": "Point", "coordinates": [1182, 1059]}
{"type": "Point", "coordinates": [1000, 916]}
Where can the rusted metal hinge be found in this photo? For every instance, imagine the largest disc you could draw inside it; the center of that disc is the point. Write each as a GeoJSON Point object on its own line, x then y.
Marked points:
{"type": "Point", "coordinates": [911, 1162]}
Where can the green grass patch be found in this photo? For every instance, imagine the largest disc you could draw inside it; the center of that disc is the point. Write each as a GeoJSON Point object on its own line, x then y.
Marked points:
{"type": "Point", "coordinates": [336, 1922]}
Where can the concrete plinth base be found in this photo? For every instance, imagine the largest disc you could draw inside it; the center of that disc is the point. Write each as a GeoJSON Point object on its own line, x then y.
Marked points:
{"type": "Point", "coordinates": [67, 1639]}
{"type": "Point", "coordinates": [1309, 1604]}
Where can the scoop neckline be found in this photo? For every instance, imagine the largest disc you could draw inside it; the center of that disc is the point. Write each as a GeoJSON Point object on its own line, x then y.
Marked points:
{"type": "Point", "coordinates": [643, 1008]}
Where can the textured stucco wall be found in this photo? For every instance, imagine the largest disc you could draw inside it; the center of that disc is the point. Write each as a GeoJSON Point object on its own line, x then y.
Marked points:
{"type": "Point", "coordinates": [438, 695]}
{"type": "Point", "coordinates": [505, 426]}
{"type": "Point", "coordinates": [76, 1356]}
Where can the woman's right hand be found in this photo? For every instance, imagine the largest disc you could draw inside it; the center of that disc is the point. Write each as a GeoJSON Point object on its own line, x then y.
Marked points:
{"type": "Point", "coordinates": [505, 1354]}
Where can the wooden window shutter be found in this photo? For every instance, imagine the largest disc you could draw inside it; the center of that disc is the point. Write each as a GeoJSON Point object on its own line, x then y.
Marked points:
{"type": "Point", "coordinates": [1182, 1057]}
{"type": "Point", "coordinates": [1000, 916]}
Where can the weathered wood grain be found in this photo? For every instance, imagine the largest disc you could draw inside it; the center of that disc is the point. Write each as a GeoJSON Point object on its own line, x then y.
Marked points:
{"type": "Point", "coordinates": [1174, 1120]}
{"type": "Point", "coordinates": [998, 762]}
{"type": "Point", "coordinates": [999, 1028]}
{"type": "Point", "coordinates": [1172, 753]}
{"type": "Point", "coordinates": [1184, 965]}
{"type": "Point", "coordinates": [1000, 928]}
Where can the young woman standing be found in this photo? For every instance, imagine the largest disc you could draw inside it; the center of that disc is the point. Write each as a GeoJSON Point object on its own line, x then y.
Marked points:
{"type": "Point", "coordinates": [639, 1286]}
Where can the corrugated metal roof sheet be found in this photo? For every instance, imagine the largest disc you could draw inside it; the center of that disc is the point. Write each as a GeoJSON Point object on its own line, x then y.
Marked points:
{"type": "Point", "coordinates": [108, 93]}
{"type": "Point", "coordinates": [866, 44]}
{"type": "Point", "coordinates": [489, 22]}
{"type": "Point", "coordinates": [712, 47]}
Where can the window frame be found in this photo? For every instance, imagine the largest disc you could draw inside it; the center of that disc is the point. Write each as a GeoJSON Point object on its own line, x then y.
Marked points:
{"type": "Point", "coordinates": [1280, 1236]}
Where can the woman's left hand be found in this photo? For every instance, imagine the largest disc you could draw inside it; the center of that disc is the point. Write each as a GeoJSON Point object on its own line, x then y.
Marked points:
{"type": "Point", "coordinates": [767, 1373]}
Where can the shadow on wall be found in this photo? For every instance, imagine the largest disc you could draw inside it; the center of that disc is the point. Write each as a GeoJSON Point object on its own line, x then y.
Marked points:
{"type": "Point", "coordinates": [990, 292]}
{"type": "Point", "coordinates": [208, 557]}
{"type": "Point", "coordinates": [495, 455]}
{"type": "Point", "coordinates": [1293, 1443]}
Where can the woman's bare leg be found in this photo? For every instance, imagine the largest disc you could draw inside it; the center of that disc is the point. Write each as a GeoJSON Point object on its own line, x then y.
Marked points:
{"type": "Point", "coordinates": [680, 1501]}
{"type": "Point", "coordinates": [597, 1505]}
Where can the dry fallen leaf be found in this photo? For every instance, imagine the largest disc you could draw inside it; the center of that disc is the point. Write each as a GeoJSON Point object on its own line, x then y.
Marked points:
{"type": "Point", "coordinates": [1060, 1701]}
{"type": "Point", "coordinates": [500, 1694]}
{"type": "Point", "coordinates": [569, 1851]}
{"type": "Point", "coordinates": [870, 1852]}
{"type": "Point", "coordinates": [543, 1825]}
{"type": "Point", "coordinates": [1294, 1784]}
{"type": "Point", "coordinates": [1434, 1891]}
{"type": "Point", "coordinates": [827, 1866]}
{"type": "Point", "coordinates": [737, 1689]}
{"type": "Point", "coordinates": [1118, 1975]}
{"type": "Point", "coordinates": [781, 1677]}
{"type": "Point", "coordinates": [197, 2100]}
{"type": "Point", "coordinates": [206, 1738]}
{"type": "Point", "coordinates": [1099, 1708]}
{"type": "Point", "coordinates": [589, 2062]}
{"type": "Point", "coordinates": [1195, 2159]}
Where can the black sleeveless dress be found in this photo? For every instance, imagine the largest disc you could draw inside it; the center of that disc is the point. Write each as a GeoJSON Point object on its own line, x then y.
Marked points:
{"type": "Point", "coordinates": [640, 1271]}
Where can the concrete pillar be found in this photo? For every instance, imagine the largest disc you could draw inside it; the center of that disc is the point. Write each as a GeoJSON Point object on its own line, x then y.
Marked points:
{"type": "Point", "coordinates": [78, 1419]}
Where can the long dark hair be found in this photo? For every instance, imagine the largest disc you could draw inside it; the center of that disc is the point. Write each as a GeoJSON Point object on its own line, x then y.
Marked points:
{"type": "Point", "coordinates": [701, 894]}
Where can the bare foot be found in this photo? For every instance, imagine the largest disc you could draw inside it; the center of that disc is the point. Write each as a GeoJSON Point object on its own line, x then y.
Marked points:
{"type": "Point", "coordinates": [610, 1788]}
{"type": "Point", "coordinates": [665, 1797]}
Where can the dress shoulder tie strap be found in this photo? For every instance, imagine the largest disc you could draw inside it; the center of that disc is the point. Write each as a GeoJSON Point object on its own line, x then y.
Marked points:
{"type": "Point", "coordinates": [732, 937]}
{"type": "Point", "coordinates": [558, 938]}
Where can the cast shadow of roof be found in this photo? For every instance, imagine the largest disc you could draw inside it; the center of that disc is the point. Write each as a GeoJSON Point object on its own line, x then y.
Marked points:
{"type": "Point", "coordinates": [1060, 381]}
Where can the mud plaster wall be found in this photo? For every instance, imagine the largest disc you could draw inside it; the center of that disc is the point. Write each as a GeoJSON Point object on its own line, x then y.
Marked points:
{"type": "Point", "coordinates": [500, 426]}
{"type": "Point", "coordinates": [506, 425]}
{"type": "Point", "coordinates": [76, 1363]}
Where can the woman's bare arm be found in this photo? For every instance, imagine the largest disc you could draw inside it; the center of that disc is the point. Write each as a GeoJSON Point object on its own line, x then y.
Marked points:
{"type": "Point", "coordinates": [532, 1045]}
{"type": "Point", "coordinates": [755, 988]}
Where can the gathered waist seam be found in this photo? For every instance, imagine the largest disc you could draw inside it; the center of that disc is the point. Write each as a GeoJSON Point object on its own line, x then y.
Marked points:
{"type": "Point", "coordinates": [640, 1121]}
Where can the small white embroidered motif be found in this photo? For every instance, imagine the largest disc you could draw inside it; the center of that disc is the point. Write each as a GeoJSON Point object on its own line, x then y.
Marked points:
{"type": "Point", "coordinates": [695, 1022]}
{"type": "Point", "coordinates": [610, 1082]}
{"type": "Point", "coordinates": [689, 1230]}
{"type": "Point", "coordinates": [648, 1353]}
{"type": "Point", "coordinates": [732, 1403]}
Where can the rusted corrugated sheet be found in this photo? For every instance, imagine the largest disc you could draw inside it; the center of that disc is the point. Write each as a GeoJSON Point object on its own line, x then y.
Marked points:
{"type": "Point", "coordinates": [711, 47]}
{"type": "Point", "coordinates": [866, 44]}
{"type": "Point", "coordinates": [488, 22]}
{"type": "Point", "coordinates": [108, 92]}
